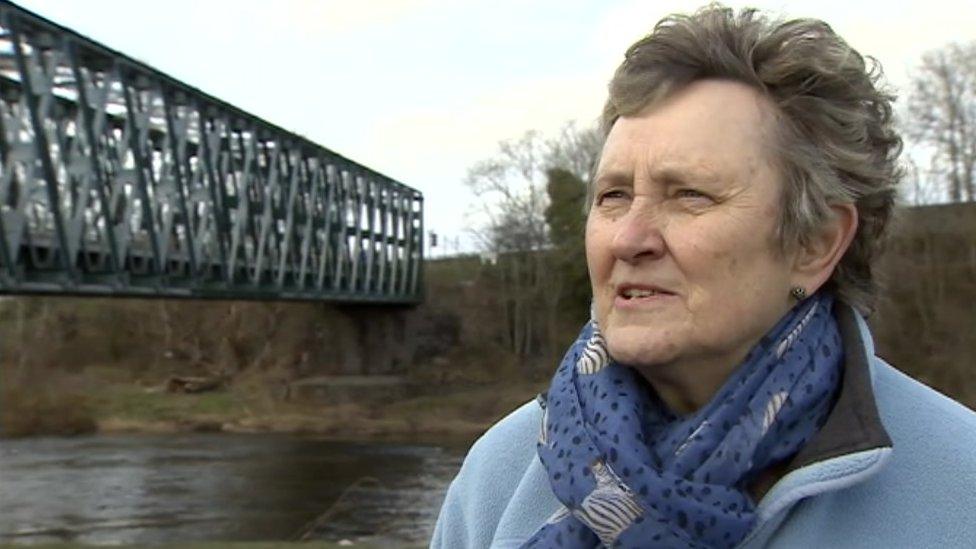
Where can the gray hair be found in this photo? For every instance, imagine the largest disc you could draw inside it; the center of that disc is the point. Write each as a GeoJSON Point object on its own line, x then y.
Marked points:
{"type": "Point", "coordinates": [835, 142]}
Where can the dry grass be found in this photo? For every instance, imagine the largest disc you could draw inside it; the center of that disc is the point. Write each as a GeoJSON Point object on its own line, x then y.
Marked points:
{"type": "Point", "coordinates": [41, 402]}
{"type": "Point", "coordinates": [64, 403]}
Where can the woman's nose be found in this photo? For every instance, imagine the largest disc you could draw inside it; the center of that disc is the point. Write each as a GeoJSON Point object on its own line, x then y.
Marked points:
{"type": "Point", "coordinates": [638, 236]}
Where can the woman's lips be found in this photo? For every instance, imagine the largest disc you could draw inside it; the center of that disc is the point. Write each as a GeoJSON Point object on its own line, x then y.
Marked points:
{"type": "Point", "coordinates": [633, 296]}
{"type": "Point", "coordinates": [621, 302]}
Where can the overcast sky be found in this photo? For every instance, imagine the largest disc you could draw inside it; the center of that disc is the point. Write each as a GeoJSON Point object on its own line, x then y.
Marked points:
{"type": "Point", "coordinates": [422, 89]}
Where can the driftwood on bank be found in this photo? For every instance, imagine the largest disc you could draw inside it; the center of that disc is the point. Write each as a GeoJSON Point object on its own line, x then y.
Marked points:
{"type": "Point", "coordinates": [194, 384]}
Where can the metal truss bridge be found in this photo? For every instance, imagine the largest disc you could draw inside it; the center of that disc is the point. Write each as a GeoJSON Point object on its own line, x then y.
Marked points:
{"type": "Point", "coordinates": [116, 179]}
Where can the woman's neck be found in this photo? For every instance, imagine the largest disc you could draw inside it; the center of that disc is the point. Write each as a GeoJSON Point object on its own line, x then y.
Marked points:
{"type": "Point", "coordinates": [686, 386]}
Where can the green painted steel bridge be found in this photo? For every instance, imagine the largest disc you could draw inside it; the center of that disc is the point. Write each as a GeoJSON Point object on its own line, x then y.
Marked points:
{"type": "Point", "coordinates": [116, 179]}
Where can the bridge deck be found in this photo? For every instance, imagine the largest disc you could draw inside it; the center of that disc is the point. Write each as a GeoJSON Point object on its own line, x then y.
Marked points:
{"type": "Point", "coordinates": [116, 179]}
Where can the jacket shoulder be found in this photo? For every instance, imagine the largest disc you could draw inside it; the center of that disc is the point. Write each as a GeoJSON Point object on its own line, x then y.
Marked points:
{"type": "Point", "coordinates": [489, 476]}
{"type": "Point", "coordinates": [516, 434]}
{"type": "Point", "coordinates": [922, 497]}
{"type": "Point", "coordinates": [922, 420]}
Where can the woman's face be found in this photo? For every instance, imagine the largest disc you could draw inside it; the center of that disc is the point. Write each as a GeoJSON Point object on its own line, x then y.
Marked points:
{"type": "Point", "coordinates": [680, 239]}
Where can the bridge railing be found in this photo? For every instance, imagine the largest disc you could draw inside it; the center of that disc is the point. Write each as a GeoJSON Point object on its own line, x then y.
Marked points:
{"type": "Point", "coordinates": [118, 179]}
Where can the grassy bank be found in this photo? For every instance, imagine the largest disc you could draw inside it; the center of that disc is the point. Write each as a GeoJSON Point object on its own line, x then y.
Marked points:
{"type": "Point", "coordinates": [55, 402]}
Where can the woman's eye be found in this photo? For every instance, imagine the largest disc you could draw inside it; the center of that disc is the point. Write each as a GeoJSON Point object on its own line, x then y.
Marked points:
{"type": "Point", "coordinates": [690, 193]}
{"type": "Point", "coordinates": [610, 195]}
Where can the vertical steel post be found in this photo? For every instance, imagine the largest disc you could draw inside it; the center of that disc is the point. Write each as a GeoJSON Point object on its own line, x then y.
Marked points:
{"type": "Point", "coordinates": [95, 166]}
{"type": "Point", "coordinates": [342, 217]}
{"type": "Point", "coordinates": [357, 250]}
{"type": "Point", "coordinates": [181, 178]}
{"type": "Point", "coordinates": [289, 219]}
{"type": "Point", "coordinates": [218, 194]}
{"type": "Point", "coordinates": [418, 267]}
{"type": "Point", "coordinates": [308, 231]}
{"type": "Point", "coordinates": [384, 195]}
{"type": "Point", "coordinates": [397, 225]}
{"type": "Point", "coordinates": [7, 255]}
{"type": "Point", "coordinates": [371, 204]}
{"type": "Point", "coordinates": [329, 205]}
{"type": "Point", "coordinates": [138, 154]}
{"type": "Point", "coordinates": [43, 149]}
{"type": "Point", "coordinates": [407, 205]}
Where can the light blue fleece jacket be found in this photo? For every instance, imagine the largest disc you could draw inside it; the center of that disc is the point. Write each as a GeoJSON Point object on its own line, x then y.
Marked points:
{"type": "Point", "coordinates": [852, 486]}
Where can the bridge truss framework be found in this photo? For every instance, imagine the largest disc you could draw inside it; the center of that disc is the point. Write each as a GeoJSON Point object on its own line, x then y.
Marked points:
{"type": "Point", "coordinates": [116, 179]}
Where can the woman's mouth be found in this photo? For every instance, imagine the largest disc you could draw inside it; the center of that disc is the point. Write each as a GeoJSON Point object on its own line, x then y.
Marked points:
{"type": "Point", "coordinates": [633, 295]}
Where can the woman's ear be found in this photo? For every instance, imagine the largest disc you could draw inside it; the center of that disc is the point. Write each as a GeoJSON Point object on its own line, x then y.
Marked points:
{"type": "Point", "coordinates": [816, 259]}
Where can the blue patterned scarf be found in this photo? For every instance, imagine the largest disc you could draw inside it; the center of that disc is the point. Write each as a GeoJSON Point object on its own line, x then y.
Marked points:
{"type": "Point", "coordinates": [630, 473]}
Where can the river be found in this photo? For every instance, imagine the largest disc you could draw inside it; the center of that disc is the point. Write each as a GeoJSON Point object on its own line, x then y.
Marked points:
{"type": "Point", "coordinates": [142, 489]}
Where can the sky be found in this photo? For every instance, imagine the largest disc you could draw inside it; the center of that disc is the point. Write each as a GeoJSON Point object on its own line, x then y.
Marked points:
{"type": "Point", "coordinates": [420, 90]}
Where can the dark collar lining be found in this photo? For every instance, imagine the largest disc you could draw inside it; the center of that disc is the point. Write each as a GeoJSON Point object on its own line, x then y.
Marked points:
{"type": "Point", "coordinates": [854, 424]}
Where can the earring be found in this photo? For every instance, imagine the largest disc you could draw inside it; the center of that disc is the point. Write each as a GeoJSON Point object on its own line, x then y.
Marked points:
{"type": "Point", "coordinates": [798, 293]}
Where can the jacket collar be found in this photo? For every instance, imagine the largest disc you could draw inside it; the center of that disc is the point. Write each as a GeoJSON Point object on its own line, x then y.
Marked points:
{"type": "Point", "coordinates": [854, 424]}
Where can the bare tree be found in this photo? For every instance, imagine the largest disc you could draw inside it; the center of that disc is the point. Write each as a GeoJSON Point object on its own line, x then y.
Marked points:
{"type": "Point", "coordinates": [511, 188]}
{"type": "Point", "coordinates": [512, 203]}
{"type": "Point", "coordinates": [576, 150]}
{"type": "Point", "coordinates": [942, 117]}
{"type": "Point", "coordinates": [511, 197]}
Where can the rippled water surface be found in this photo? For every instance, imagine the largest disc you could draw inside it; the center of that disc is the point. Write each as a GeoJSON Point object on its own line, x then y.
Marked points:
{"type": "Point", "coordinates": [195, 487]}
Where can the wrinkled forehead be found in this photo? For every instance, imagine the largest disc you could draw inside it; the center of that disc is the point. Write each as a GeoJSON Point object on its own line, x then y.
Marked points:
{"type": "Point", "coordinates": [706, 125]}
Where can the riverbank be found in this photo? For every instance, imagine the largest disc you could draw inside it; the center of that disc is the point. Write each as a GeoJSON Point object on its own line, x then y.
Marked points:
{"type": "Point", "coordinates": [108, 401]}
{"type": "Point", "coordinates": [457, 413]}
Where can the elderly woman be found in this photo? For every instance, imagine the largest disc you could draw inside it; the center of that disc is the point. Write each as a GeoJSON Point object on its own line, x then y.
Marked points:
{"type": "Point", "coordinates": [725, 392]}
